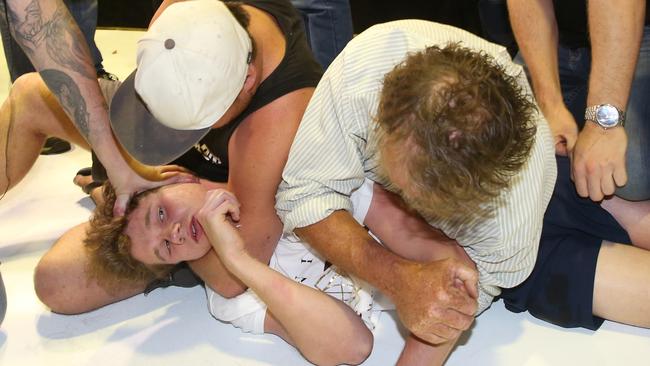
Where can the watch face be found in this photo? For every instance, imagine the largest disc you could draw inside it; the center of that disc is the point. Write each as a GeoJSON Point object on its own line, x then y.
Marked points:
{"type": "Point", "coordinates": [607, 115]}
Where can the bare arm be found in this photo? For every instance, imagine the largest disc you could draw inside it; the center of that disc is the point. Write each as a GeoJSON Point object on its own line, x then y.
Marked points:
{"type": "Point", "coordinates": [405, 232]}
{"type": "Point", "coordinates": [428, 296]}
{"type": "Point", "coordinates": [52, 40]}
{"type": "Point", "coordinates": [325, 330]}
{"type": "Point", "coordinates": [54, 44]}
{"type": "Point", "coordinates": [535, 29]}
{"type": "Point", "coordinates": [615, 29]}
{"type": "Point", "coordinates": [258, 152]}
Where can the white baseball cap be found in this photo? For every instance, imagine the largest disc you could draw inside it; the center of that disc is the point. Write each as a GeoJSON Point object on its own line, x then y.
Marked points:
{"type": "Point", "coordinates": [192, 63]}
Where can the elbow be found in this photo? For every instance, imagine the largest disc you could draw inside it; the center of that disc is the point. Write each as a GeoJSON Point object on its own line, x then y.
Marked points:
{"type": "Point", "coordinates": [52, 292]}
{"type": "Point", "coordinates": [360, 349]}
{"type": "Point", "coordinates": [352, 350]}
{"type": "Point", "coordinates": [230, 290]}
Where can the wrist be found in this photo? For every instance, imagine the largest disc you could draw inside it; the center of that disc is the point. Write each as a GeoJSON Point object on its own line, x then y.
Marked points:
{"type": "Point", "coordinates": [549, 97]}
{"type": "Point", "coordinates": [605, 115]}
{"type": "Point", "coordinates": [403, 271]}
{"type": "Point", "coordinates": [233, 258]}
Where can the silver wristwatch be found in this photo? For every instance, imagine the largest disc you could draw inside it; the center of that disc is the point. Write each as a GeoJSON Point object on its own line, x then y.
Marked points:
{"type": "Point", "coordinates": [606, 115]}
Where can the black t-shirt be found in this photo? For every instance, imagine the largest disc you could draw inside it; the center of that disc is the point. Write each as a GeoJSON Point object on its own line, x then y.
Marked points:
{"type": "Point", "coordinates": [298, 69]}
{"type": "Point", "coordinates": [571, 18]}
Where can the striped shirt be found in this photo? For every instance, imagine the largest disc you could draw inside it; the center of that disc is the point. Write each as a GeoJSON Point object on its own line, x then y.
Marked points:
{"type": "Point", "coordinates": [335, 149]}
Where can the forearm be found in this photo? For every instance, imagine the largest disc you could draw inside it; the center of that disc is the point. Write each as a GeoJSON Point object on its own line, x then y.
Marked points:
{"type": "Point", "coordinates": [260, 233]}
{"type": "Point", "coordinates": [417, 352]}
{"type": "Point", "coordinates": [345, 243]}
{"type": "Point", "coordinates": [615, 29]}
{"type": "Point", "coordinates": [57, 49]}
{"type": "Point", "coordinates": [324, 330]}
{"type": "Point", "coordinates": [406, 233]}
{"type": "Point", "coordinates": [535, 28]}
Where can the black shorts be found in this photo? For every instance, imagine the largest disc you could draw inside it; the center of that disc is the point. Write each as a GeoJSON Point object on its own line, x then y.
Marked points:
{"type": "Point", "coordinates": [560, 288]}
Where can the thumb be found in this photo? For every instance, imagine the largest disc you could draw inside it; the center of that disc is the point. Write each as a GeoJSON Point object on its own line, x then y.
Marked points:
{"type": "Point", "coordinates": [620, 175]}
{"type": "Point", "coordinates": [469, 278]}
{"type": "Point", "coordinates": [121, 201]}
{"type": "Point", "coordinates": [570, 140]}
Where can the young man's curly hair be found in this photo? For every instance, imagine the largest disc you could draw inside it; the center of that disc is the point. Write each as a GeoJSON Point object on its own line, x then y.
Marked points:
{"type": "Point", "coordinates": [109, 249]}
{"type": "Point", "coordinates": [459, 126]}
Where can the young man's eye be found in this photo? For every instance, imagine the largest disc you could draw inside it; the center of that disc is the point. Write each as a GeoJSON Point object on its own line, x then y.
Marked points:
{"type": "Point", "coordinates": [161, 214]}
{"type": "Point", "coordinates": [168, 246]}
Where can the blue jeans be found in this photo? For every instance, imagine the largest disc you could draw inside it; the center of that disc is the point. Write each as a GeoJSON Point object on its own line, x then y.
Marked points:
{"type": "Point", "coordinates": [85, 14]}
{"type": "Point", "coordinates": [3, 300]}
{"type": "Point", "coordinates": [328, 24]}
{"type": "Point", "coordinates": [574, 66]}
{"type": "Point", "coordinates": [495, 24]}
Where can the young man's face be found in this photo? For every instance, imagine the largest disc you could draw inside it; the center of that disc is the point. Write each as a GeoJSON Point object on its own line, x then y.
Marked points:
{"type": "Point", "coordinates": [164, 229]}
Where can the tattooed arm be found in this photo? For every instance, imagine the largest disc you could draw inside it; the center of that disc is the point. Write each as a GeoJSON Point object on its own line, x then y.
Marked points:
{"type": "Point", "coordinates": [53, 42]}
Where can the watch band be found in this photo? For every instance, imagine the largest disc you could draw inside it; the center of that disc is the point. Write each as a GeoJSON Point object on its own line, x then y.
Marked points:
{"type": "Point", "coordinates": [591, 114]}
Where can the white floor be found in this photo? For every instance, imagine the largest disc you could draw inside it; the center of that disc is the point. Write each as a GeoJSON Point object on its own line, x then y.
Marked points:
{"type": "Point", "coordinates": [172, 326]}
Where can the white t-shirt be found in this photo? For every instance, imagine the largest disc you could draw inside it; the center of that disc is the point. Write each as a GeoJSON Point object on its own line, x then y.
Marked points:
{"type": "Point", "coordinates": [296, 260]}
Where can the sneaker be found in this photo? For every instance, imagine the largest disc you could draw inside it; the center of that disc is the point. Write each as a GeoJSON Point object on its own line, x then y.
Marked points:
{"type": "Point", "coordinates": [103, 74]}
{"type": "Point", "coordinates": [54, 145]}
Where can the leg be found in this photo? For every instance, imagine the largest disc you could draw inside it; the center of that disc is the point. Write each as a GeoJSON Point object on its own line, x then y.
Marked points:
{"type": "Point", "coordinates": [27, 117]}
{"type": "Point", "coordinates": [621, 290]}
{"type": "Point", "coordinates": [17, 62]}
{"type": "Point", "coordinates": [637, 158]}
{"type": "Point", "coordinates": [634, 217]}
{"type": "Point", "coordinates": [495, 24]}
{"type": "Point", "coordinates": [3, 300]}
{"type": "Point", "coordinates": [61, 282]}
{"type": "Point", "coordinates": [84, 13]}
{"type": "Point", "coordinates": [328, 352]}
{"type": "Point", "coordinates": [417, 352]}
{"type": "Point", "coordinates": [329, 26]}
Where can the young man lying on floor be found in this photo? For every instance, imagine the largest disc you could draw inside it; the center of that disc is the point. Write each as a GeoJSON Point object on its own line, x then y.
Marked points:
{"type": "Point", "coordinates": [287, 297]}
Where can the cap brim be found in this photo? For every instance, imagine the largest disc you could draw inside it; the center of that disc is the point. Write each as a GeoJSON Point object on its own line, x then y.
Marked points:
{"type": "Point", "coordinates": [140, 133]}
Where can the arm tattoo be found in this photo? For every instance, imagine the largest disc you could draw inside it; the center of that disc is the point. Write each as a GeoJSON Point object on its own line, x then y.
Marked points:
{"type": "Point", "coordinates": [60, 41]}
{"type": "Point", "coordinates": [69, 96]}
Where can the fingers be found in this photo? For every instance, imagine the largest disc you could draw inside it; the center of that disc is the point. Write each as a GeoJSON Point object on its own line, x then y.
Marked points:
{"type": "Point", "coordinates": [607, 185]}
{"type": "Point", "coordinates": [579, 179]}
{"type": "Point", "coordinates": [615, 176]}
{"type": "Point", "coordinates": [121, 201]}
{"type": "Point", "coordinates": [221, 202]}
{"type": "Point", "coordinates": [469, 278]}
{"type": "Point", "coordinates": [598, 182]}
{"type": "Point", "coordinates": [570, 142]}
{"type": "Point", "coordinates": [458, 317]}
{"type": "Point", "coordinates": [590, 185]}
{"type": "Point", "coordinates": [620, 173]}
{"type": "Point", "coordinates": [464, 305]}
{"type": "Point", "coordinates": [595, 181]}
{"type": "Point", "coordinates": [598, 161]}
{"type": "Point", "coordinates": [448, 325]}
{"type": "Point", "coordinates": [561, 148]}
{"type": "Point", "coordinates": [441, 333]}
